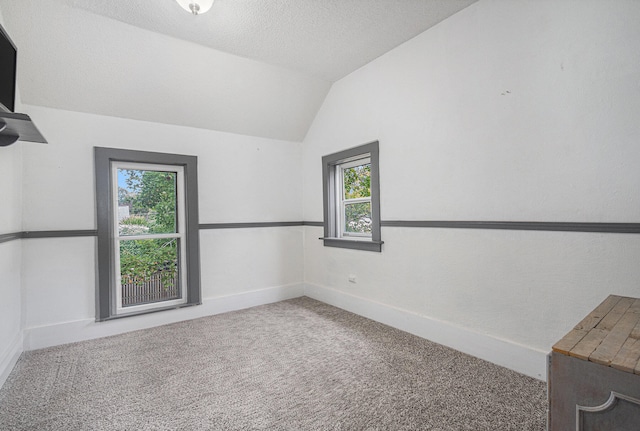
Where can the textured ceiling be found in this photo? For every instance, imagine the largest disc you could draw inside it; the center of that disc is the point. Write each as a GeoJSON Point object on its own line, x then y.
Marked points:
{"type": "Point", "coordinates": [251, 67]}
{"type": "Point", "coordinates": [325, 38]}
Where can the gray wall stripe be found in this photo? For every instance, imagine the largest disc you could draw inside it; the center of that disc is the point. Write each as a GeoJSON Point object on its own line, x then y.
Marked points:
{"type": "Point", "coordinates": [59, 233]}
{"type": "Point", "coordinates": [251, 224]}
{"type": "Point", "coordinates": [6, 237]}
{"type": "Point", "coordinates": [313, 223]}
{"type": "Point", "coordinates": [504, 225]}
{"type": "Point", "coordinates": [516, 225]}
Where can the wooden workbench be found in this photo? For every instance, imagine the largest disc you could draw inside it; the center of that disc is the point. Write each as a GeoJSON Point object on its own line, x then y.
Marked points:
{"type": "Point", "coordinates": [594, 371]}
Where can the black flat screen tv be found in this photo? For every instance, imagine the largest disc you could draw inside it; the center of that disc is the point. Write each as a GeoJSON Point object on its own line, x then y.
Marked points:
{"type": "Point", "coordinates": [8, 61]}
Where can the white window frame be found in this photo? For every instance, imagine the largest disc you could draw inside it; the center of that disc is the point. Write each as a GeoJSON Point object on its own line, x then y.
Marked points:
{"type": "Point", "coordinates": [332, 187]}
{"type": "Point", "coordinates": [342, 201]}
{"type": "Point", "coordinates": [179, 234]}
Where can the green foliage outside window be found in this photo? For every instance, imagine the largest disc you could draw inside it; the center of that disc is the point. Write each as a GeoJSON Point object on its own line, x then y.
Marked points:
{"type": "Point", "coordinates": [357, 217]}
{"type": "Point", "coordinates": [152, 195]}
{"type": "Point", "coordinates": [357, 184]}
{"type": "Point", "coordinates": [151, 198]}
{"type": "Point", "coordinates": [140, 259]}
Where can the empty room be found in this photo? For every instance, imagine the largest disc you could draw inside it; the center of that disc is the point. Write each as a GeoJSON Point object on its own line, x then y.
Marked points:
{"type": "Point", "coordinates": [320, 215]}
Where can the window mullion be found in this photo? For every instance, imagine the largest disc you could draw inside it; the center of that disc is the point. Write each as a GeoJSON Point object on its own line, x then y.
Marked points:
{"type": "Point", "coordinates": [357, 200]}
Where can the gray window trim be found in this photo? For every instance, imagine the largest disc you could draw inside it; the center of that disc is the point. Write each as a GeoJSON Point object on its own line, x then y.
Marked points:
{"type": "Point", "coordinates": [329, 163]}
{"type": "Point", "coordinates": [103, 157]}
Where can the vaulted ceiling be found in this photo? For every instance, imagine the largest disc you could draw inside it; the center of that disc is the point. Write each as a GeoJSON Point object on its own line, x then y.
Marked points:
{"type": "Point", "coordinates": [324, 38]}
{"type": "Point", "coordinates": [255, 67]}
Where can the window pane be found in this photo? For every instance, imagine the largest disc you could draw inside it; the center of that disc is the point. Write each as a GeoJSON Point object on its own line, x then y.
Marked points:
{"type": "Point", "coordinates": [146, 202]}
{"type": "Point", "coordinates": [149, 271]}
{"type": "Point", "coordinates": [357, 217]}
{"type": "Point", "coordinates": [357, 181]}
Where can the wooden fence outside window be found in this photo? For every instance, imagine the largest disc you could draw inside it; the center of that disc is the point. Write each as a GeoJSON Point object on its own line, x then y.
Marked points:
{"type": "Point", "coordinates": [152, 289]}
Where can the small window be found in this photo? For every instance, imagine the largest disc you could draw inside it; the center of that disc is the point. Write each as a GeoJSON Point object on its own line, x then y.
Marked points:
{"type": "Point", "coordinates": [147, 211]}
{"type": "Point", "coordinates": [352, 198]}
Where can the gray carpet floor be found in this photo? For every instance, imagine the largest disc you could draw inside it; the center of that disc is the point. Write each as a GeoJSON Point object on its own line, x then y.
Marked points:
{"type": "Point", "coordinates": [293, 365]}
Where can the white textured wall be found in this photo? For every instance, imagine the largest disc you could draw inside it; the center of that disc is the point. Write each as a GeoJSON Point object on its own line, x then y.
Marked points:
{"type": "Point", "coordinates": [10, 253]}
{"type": "Point", "coordinates": [511, 111]}
{"type": "Point", "coordinates": [11, 188]}
{"type": "Point", "coordinates": [240, 179]}
{"type": "Point", "coordinates": [10, 258]}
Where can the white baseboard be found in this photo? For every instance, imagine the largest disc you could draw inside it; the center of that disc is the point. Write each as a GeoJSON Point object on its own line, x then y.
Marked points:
{"type": "Point", "coordinates": [523, 359]}
{"type": "Point", "coordinates": [87, 329]}
{"type": "Point", "coordinates": [10, 357]}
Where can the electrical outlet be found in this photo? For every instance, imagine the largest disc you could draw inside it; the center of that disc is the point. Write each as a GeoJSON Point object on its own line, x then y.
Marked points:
{"type": "Point", "coordinates": [352, 278]}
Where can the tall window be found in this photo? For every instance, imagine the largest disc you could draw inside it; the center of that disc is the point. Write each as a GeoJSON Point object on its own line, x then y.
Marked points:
{"type": "Point", "coordinates": [147, 232]}
{"type": "Point", "coordinates": [352, 198]}
{"type": "Point", "coordinates": [149, 235]}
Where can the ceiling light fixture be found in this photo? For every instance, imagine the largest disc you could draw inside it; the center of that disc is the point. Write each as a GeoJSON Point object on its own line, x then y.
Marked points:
{"type": "Point", "coordinates": [196, 7]}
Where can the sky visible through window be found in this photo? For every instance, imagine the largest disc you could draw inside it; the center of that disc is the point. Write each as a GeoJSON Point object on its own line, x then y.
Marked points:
{"type": "Point", "coordinates": [122, 177]}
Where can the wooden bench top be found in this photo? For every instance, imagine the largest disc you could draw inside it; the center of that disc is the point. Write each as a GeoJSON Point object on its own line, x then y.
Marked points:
{"type": "Point", "coordinates": [609, 335]}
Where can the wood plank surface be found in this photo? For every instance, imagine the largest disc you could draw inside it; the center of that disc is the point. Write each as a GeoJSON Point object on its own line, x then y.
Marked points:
{"type": "Point", "coordinates": [598, 313]}
{"type": "Point", "coordinates": [628, 356]}
{"type": "Point", "coordinates": [569, 341]}
{"type": "Point", "coordinates": [609, 335]}
{"type": "Point", "coordinates": [635, 333]}
{"type": "Point", "coordinates": [635, 307]}
{"type": "Point", "coordinates": [612, 343]}
{"type": "Point", "coordinates": [588, 344]}
{"type": "Point", "coordinates": [611, 319]}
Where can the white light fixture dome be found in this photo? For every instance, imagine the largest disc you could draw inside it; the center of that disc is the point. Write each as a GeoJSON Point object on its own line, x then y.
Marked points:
{"type": "Point", "coordinates": [196, 7]}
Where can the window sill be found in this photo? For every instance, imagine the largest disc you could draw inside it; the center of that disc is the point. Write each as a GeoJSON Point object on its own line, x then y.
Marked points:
{"type": "Point", "coordinates": [352, 244]}
{"type": "Point", "coordinates": [147, 311]}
